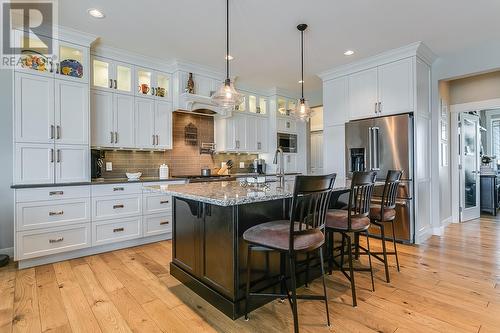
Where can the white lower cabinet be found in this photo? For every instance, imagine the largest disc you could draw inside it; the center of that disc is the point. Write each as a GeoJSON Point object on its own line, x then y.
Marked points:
{"type": "Point", "coordinates": [115, 207]}
{"type": "Point", "coordinates": [72, 163]}
{"type": "Point", "coordinates": [38, 243]}
{"type": "Point", "coordinates": [112, 231]}
{"type": "Point", "coordinates": [157, 224]}
{"type": "Point", "coordinates": [34, 163]}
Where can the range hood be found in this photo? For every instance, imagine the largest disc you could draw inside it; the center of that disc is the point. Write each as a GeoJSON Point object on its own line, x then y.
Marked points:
{"type": "Point", "coordinates": [201, 104]}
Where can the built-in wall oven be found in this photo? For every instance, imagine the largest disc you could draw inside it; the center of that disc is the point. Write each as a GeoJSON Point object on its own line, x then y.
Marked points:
{"type": "Point", "coordinates": [287, 142]}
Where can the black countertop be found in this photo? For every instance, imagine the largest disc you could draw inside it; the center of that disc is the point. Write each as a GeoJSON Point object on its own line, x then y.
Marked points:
{"type": "Point", "coordinates": [99, 181]}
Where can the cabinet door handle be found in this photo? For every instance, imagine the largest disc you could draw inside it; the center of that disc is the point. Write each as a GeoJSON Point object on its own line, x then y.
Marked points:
{"type": "Point", "coordinates": [58, 132]}
{"type": "Point", "coordinates": [379, 107]}
{"type": "Point", "coordinates": [52, 131]}
{"type": "Point", "coordinates": [56, 193]}
{"type": "Point", "coordinates": [51, 66]}
{"type": "Point", "coordinates": [112, 139]}
{"type": "Point", "coordinates": [51, 155]}
{"type": "Point", "coordinates": [118, 206]}
{"type": "Point", "coordinates": [162, 202]}
{"type": "Point", "coordinates": [153, 139]}
{"type": "Point", "coordinates": [259, 145]}
{"type": "Point", "coordinates": [118, 189]}
{"type": "Point", "coordinates": [111, 83]}
{"type": "Point", "coordinates": [56, 240]}
{"type": "Point", "coordinates": [287, 124]}
{"type": "Point", "coordinates": [153, 91]}
{"type": "Point", "coordinates": [116, 84]}
{"type": "Point", "coordinates": [376, 107]}
{"type": "Point", "coordinates": [57, 68]}
{"type": "Point", "coordinates": [61, 212]}
{"type": "Point", "coordinates": [157, 139]}
{"type": "Point", "coordinates": [164, 222]}
{"type": "Point", "coordinates": [116, 137]}
{"type": "Point", "coordinates": [58, 160]}
{"type": "Point", "coordinates": [118, 229]}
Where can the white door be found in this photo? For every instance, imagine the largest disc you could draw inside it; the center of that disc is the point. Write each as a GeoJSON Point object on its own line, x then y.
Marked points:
{"type": "Point", "coordinates": [34, 163]}
{"type": "Point", "coordinates": [102, 74]}
{"type": "Point", "coordinates": [469, 167]}
{"type": "Point", "coordinates": [335, 98]}
{"type": "Point", "coordinates": [163, 124]}
{"type": "Point", "coordinates": [71, 112]}
{"type": "Point", "coordinates": [395, 84]}
{"type": "Point", "coordinates": [252, 125]}
{"type": "Point", "coordinates": [240, 132]}
{"type": "Point", "coordinates": [123, 81]}
{"type": "Point", "coordinates": [363, 94]}
{"type": "Point", "coordinates": [72, 163]}
{"type": "Point", "coordinates": [101, 115]}
{"type": "Point", "coordinates": [123, 119]}
{"type": "Point", "coordinates": [316, 153]}
{"type": "Point", "coordinates": [145, 123]}
{"type": "Point", "coordinates": [34, 108]}
{"type": "Point", "coordinates": [262, 135]}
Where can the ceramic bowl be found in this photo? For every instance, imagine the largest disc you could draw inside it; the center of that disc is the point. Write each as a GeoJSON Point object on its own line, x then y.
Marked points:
{"type": "Point", "coordinates": [134, 176]}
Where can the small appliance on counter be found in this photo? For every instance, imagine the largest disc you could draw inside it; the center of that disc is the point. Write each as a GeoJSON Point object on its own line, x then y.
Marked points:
{"type": "Point", "coordinates": [259, 166]}
{"type": "Point", "coordinates": [97, 162]}
{"type": "Point", "coordinates": [206, 172]}
{"type": "Point", "coordinates": [163, 171]}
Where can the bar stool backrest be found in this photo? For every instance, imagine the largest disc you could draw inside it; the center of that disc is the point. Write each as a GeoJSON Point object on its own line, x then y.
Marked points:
{"type": "Point", "coordinates": [362, 185]}
{"type": "Point", "coordinates": [390, 190]}
{"type": "Point", "coordinates": [310, 204]}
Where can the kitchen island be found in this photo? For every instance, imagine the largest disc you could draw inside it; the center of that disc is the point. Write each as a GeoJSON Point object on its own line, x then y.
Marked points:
{"type": "Point", "coordinates": [209, 253]}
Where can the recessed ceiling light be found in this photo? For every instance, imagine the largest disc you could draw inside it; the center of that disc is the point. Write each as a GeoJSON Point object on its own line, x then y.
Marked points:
{"type": "Point", "coordinates": [300, 81]}
{"type": "Point", "coordinates": [349, 52]}
{"type": "Point", "coordinates": [229, 57]}
{"type": "Point", "coordinates": [96, 13]}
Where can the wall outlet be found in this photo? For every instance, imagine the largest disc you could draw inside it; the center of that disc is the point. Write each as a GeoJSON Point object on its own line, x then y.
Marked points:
{"type": "Point", "coordinates": [242, 165]}
{"type": "Point", "coordinates": [109, 166]}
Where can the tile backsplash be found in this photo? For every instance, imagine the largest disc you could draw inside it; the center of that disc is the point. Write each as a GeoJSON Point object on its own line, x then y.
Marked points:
{"type": "Point", "coordinates": [183, 159]}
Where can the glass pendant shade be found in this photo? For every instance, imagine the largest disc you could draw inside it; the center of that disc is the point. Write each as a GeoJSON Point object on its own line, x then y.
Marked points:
{"type": "Point", "coordinates": [226, 96]}
{"type": "Point", "coordinates": [302, 111]}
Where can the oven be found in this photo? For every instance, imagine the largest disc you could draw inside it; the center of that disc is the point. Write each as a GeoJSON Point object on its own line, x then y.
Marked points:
{"type": "Point", "coordinates": [287, 142]}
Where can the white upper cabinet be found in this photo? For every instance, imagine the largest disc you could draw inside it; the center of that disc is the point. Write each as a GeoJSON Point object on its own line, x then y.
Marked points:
{"type": "Point", "coordinates": [335, 100]}
{"type": "Point", "coordinates": [145, 123]}
{"type": "Point", "coordinates": [71, 112]}
{"type": "Point", "coordinates": [112, 75]}
{"type": "Point", "coordinates": [124, 120]}
{"type": "Point", "coordinates": [163, 125]}
{"type": "Point", "coordinates": [72, 163]}
{"type": "Point", "coordinates": [262, 135]}
{"type": "Point", "coordinates": [34, 108]}
{"type": "Point", "coordinates": [395, 87]}
{"type": "Point", "coordinates": [102, 129]}
{"type": "Point", "coordinates": [363, 96]}
{"type": "Point", "coordinates": [72, 62]}
{"type": "Point", "coordinates": [286, 125]}
{"type": "Point", "coordinates": [242, 133]}
{"type": "Point", "coordinates": [251, 133]}
{"type": "Point", "coordinates": [152, 84]}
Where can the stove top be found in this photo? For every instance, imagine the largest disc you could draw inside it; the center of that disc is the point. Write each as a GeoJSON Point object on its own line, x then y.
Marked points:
{"type": "Point", "coordinates": [199, 178]}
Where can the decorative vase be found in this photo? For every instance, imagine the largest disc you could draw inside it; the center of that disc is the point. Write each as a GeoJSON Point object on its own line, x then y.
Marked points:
{"type": "Point", "coordinates": [190, 84]}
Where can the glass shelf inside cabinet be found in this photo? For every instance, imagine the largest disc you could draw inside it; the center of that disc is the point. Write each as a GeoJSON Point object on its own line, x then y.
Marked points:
{"type": "Point", "coordinates": [163, 82]}
{"type": "Point", "coordinates": [242, 106]}
{"type": "Point", "coordinates": [71, 61]}
{"type": "Point", "coordinates": [292, 104]}
{"type": "Point", "coordinates": [144, 80]}
{"type": "Point", "coordinates": [262, 108]}
{"type": "Point", "coordinates": [101, 73]}
{"type": "Point", "coordinates": [252, 104]}
{"type": "Point", "coordinates": [124, 78]}
{"type": "Point", "coordinates": [31, 59]}
{"type": "Point", "coordinates": [282, 106]}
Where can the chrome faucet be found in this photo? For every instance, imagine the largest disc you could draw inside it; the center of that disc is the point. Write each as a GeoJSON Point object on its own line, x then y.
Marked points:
{"type": "Point", "coordinates": [279, 160]}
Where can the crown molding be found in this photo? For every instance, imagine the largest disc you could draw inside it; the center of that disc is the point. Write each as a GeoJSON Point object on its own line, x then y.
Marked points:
{"type": "Point", "coordinates": [186, 66]}
{"type": "Point", "coordinates": [418, 49]}
{"type": "Point", "coordinates": [76, 37]}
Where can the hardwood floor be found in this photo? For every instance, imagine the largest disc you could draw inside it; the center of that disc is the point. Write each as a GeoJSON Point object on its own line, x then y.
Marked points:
{"type": "Point", "coordinates": [449, 284]}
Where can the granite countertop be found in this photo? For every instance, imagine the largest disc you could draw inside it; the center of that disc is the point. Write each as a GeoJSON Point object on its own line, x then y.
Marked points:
{"type": "Point", "coordinates": [228, 193]}
{"type": "Point", "coordinates": [99, 181]}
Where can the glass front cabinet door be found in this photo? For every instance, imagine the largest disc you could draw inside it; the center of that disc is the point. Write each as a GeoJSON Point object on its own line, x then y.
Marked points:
{"type": "Point", "coordinates": [152, 84]}
{"type": "Point", "coordinates": [72, 62]}
{"type": "Point", "coordinates": [112, 75]}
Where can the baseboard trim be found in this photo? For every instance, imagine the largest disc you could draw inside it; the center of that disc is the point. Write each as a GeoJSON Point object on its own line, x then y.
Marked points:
{"type": "Point", "coordinates": [8, 251]}
{"type": "Point", "coordinates": [27, 263]}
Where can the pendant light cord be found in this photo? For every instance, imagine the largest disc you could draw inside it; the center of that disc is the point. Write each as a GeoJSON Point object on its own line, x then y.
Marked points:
{"type": "Point", "coordinates": [227, 39]}
{"type": "Point", "coordinates": [302, 60]}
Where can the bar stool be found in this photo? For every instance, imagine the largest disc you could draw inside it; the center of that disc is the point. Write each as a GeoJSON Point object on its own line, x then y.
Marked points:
{"type": "Point", "coordinates": [385, 212]}
{"type": "Point", "coordinates": [301, 234]}
{"type": "Point", "coordinates": [355, 220]}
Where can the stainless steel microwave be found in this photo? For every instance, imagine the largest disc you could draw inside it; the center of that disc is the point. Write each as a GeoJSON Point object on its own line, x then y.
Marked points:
{"type": "Point", "coordinates": [287, 142]}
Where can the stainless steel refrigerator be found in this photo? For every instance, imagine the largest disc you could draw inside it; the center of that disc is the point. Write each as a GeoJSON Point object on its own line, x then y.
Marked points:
{"type": "Point", "coordinates": [382, 144]}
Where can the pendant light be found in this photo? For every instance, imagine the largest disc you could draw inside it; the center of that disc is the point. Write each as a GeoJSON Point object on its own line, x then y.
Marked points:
{"type": "Point", "coordinates": [226, 96]}
{"type": "Point", "coordinates": [302, 111]}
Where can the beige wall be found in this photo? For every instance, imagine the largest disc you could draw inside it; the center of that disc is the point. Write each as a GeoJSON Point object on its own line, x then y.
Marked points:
{"type": "Point", "coordinates": [475, 88]}
{"type": "Point", "coordinates": [444, 171]}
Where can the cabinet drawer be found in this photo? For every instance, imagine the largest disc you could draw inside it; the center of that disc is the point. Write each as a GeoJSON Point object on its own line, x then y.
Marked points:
{"type": "Point", "coordinates": [43, 214]}
{"type": "Point", "coordinates": [52, 193]}
{"type": "Point", "coordinates": [116, 189]}
{"type": "Point", "coordinates": [157, 224]}
{"type": "Point", "coordinates": [113, 207]}
{"type": "Point", "coordinates": [32, 244]}
{"type": "Point", "coordinates": [157, 203]}
{"type": "Point", "coordinates": [117, 230]}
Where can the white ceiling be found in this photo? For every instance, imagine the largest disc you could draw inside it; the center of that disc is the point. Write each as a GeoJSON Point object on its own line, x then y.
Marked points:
{"type": "Point", "coordinates": [265, 42]}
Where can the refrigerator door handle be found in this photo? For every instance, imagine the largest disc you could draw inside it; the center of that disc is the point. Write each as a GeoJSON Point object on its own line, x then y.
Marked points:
{"type": "Point", "coordinates": [376, 153]}
{"type": "Point", "coordinates": [370, 148]}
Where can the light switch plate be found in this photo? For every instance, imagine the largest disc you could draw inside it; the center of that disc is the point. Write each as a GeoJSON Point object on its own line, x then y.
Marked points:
{"type": "Point", "coordinates": [242, 165]}
{"type": "Point", "coordinates": [109, 166]}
